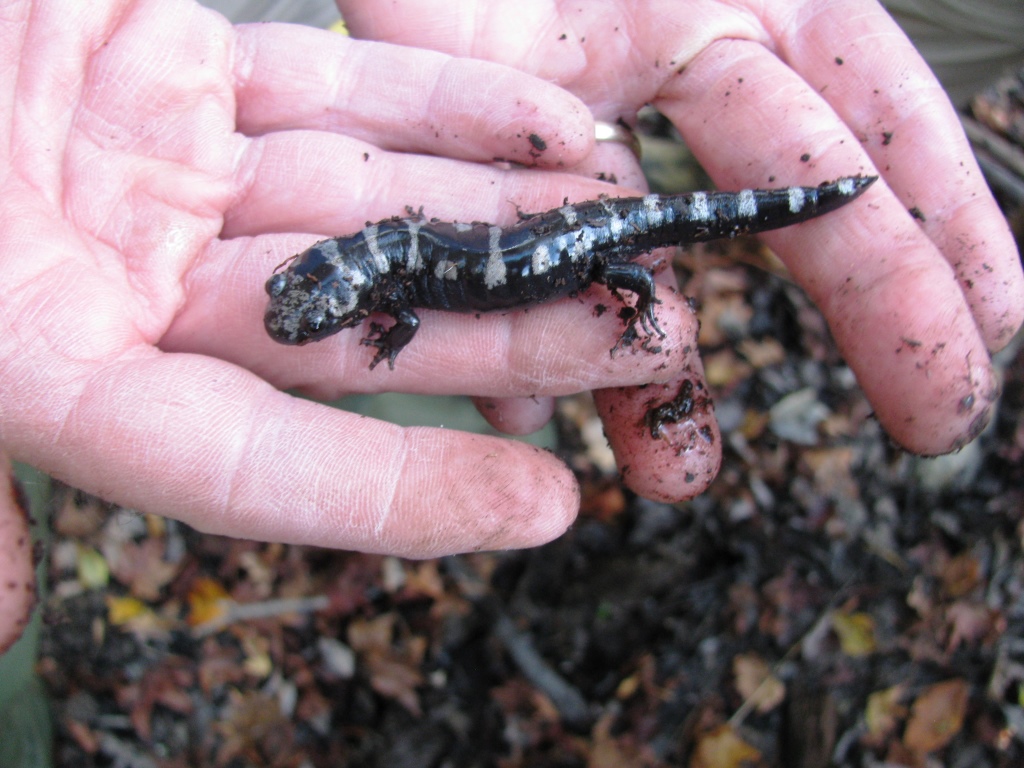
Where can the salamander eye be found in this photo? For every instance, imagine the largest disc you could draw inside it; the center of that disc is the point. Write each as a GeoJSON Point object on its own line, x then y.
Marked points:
{"type": "Point", "coordinates": [314, 321]}
{"type": "Point", "coordinates": [276, 284]}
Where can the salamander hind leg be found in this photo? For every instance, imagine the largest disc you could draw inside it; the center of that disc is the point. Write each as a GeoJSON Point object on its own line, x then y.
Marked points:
{"type": "Point", "coordinates": [389, 342]}
{"type": "Point", "coordinates": [638, 280]}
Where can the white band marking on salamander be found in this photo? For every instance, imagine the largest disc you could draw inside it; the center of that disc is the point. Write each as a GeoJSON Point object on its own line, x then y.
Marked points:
{"type": "Point", "coordinates": [380, 261]}
{"type": "Point", "coordinates": [584, 242]}
{"type": "Point", "coordinates": [653, 211]}
{"type": "Point", "coordinates": [569, 214]}
{"type": "Point", "coordinates": [413, 262]}
{"type": "Point", "coordinates": [746, 205]}
{"type": "Point", "coordinates": [846, 186]}
{"type": "Point", "coordinates": [614, 222]}
{"type": "Point", "coordinates": [700, 210]}
{"type": "Point", "coordinates": [331, 250]}
{"type": "Point", "coordinates": [446, 270]}
{"type": "Point", "coordinates": [797, 198]}
{"type": "Point", "coordinates": [541, 261]}
{"type": "Point", "coordinates": [495, 272]}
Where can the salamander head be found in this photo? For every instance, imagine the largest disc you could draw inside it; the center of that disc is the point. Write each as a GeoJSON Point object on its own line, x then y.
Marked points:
{"type": "Point", "coordinates": [318, 295]}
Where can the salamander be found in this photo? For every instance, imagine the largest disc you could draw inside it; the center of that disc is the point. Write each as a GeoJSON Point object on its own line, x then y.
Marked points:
{"type": "Point", "coordinates": [398, 265]}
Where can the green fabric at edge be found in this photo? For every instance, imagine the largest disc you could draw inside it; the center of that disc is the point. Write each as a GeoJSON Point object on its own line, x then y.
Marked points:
{"type": "Point", "coordinates": [26, 735]}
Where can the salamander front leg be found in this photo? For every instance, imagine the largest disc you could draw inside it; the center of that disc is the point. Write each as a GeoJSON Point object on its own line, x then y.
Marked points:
{"type": "Point", "coordinates": [638, 280]}
{"type": "Point", "coordinates": [393, 340]}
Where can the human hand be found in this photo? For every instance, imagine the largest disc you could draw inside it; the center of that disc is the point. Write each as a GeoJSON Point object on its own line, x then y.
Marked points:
{"type": "Point", "coordinates": [755, 88]}
{"type": "Point", "coordinates": [152, 157]}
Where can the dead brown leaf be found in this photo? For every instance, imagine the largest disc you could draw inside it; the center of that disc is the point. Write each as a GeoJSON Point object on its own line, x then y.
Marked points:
{"type": "Point", "coordinates": [423, 579]}
{"type": "Point", "coordinates": [762, 353]}
{"type": "Point", "coordinates": [723, 748]}
{"type": "Point", "coordinates": [141, 567]}
{"type": "Point", "coordinates": [254, 727]}
{"type": "Point", "coordinates": [832, 471]}
{"type": "Point", "coordinates": [724, 368]}
{"type": "Point", "coordinates": [936, 717]}
{"type": "Point", "coordinates": [856, 633]}
{"type": "Point", "coordinates": [610, 751]}
{"type": "Point", "coordinates": [394, 668]}
{"type": "Point", "coordinates": [167, 685]}
{"type": "Point", "coordinates": [961, 575]}
{"type": "Point", "coordinates": [205, 601]}
{"type": "Point", "coordinates": [79, 518]}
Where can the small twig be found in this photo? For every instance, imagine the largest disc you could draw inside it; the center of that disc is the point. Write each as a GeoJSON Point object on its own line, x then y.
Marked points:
{"type": "Point", "coordinates": [567, 700]}
{"type": "Point", "coordinates": [232, 611]}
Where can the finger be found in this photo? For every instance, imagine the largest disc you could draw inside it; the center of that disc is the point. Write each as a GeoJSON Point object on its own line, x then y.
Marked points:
{"type": "Point", "coordinates": [892, 301]}
{"type": "Point", "coordinates": [516, 415]}
{"type": "Point", "coordinates": [910, 130]}
{"type": "Point", "coordinates": [665, 437]}
{"type": "Point", "coordinates": [212, 445]}
{"type": "Point", "coordinates": [310, 181]}
{"type": "Point", "coordinates": [404, 99]}
{"type": "Point", "coordinates": [17, 569]}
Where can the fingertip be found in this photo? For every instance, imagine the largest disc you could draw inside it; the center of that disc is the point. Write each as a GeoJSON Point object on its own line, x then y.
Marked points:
{"type": "Point", "coordinates": [536, 123]}
{"type": "Point", "coordinates": [936, 420]}
{"type": "Point", "coordinates": [918, 355]}
{"type": "Point", "coordinates": [665, 437]}
{"type": "Point", "coordinates": [516, 415]}
{"type": "Point", "coordinates": [555, 494]}
{"type": "Point", "coordinates": [486, 493]}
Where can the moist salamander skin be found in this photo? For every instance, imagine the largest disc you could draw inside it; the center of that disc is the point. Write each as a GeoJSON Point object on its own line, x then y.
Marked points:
{"type": "Point", "coordinates": [398, 265]}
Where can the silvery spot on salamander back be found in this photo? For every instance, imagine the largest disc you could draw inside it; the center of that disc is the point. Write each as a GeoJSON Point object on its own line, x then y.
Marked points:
{"type": "Point", "coordinates": [397, 265]}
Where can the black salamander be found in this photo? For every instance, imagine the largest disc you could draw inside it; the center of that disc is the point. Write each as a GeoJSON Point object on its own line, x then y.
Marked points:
{"type": "Point", "coordinates": [398, 265]}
